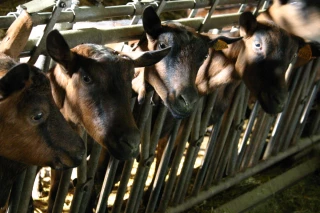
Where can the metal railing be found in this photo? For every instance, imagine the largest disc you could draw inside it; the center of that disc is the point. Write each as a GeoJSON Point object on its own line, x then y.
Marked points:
{"type": "Point", "coordinates": [236, 148]}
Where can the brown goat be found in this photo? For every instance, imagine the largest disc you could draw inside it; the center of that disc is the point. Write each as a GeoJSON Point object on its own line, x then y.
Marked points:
{"type": "Point", "coordinates": [91, 84]}
{"type": "Point", "coordinates": [299, 17]}
{"type": "Point", "coordinates": [173, 78]}
{"type": "Point", "coordinates": [33, 131]}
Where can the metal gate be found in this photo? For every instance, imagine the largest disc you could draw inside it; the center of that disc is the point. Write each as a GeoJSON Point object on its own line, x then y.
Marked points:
{"type": "Point", "coordinates": [207, 160]}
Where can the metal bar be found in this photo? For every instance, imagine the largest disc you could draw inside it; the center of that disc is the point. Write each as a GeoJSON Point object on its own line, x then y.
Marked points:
{"type": "Point", "coordinates": [207, 18]}
{"type": "Point", "coordinates": [41, 44]}
{"type": "Point", "coordinates": [221, 142]}
{"type": "Point", "coordinates": [81, 180]}
{"type": "Point", "coordinates": [292, 114]}
{"type": "Point", "coordinates": [263, 137]}
{"type": "Point", "coordinates": [273, 142]}
{"type": "Point", "coordinates": [123, 186]}
{"type": "Point", "coordinates": [145, 147]}
{"type": "Point", "coordinates": [62, 191]}
{"type": "Point", "coordinates": [16, 193]}
{"type": "Point", "coordinates": [162, 169]}
{"type": "Point", "coordinates": [253, 141]}
{"type": "Point", "coordinates": [91, 170]}
{"type": "Point", "coordinates": [303, 144]}
{"type": "Point", "coordinates": [181, 141]}
{"type": "Point", "coordinates": [102, 13]}
{"type": "Point", "coordinates": [124, 33]}
{"type": "Point", "coordinates": [193, 150]}
{"type": "Point", "coordinates": [27, 189]}
{"type": "Point", "coordinates": [232, 134]}
{"type": "Point", "coordinates": [107, 185]}
{"type": "Point", "coordinates": [209, 152]}
{"type": "Point", "coordinates": [270, 188]}
{"type": "Point", "coordinates": [38, 5]}
{"type": "Point", "coordinates": [231, 167]}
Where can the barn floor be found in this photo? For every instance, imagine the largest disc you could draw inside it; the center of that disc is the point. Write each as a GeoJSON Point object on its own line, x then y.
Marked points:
{"type": "Point", "coordinates": [302, 197]}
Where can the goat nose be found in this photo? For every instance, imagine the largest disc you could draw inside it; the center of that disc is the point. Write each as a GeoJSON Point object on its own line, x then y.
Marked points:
{"type": "Point", "coordinates": [132, 140]}
{"type": "Point", "coordinates": [188, 98]}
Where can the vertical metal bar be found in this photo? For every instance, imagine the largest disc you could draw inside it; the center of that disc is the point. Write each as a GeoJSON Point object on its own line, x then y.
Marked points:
{"type": "Point", "coordinates": [27, 189]}
{"type": "Point", "coordinates": [107, 185]}
{"type": "Point", "coordinates": [153, 143]}
{"type": "Point", "coordinates": [162, 169]}
{"type": "Point", "coordinates": [232, 132]}
{"type": "Point", "coordinates": [138, 179]}
{"type": "Point", "coordinates": [274, 142]}
{"type": "Point", "coordinates": [253, 139]}
{"type": "Point", "coordinates": [181, 141]}
{"type": "Point", "coordinates": [205, 163]}
{"type": "Point", "coordinates": [193, 150]}
{"type": "Point", "coordinates": [262, 138]}
{"type": "Point", "coordinates": [16, 193]}
{"type": "Point", "coordinates": [231, 167]}
{"type": "Point", "coordinates": [246, 135]}
{"type": "Point", "coordinates": [91, 170]}
{"type": "Point", "coordinates": [81, 181]}
{"type": "Point", "coordinates": [291, 115]}
{"type": "Point", "coordinates": [62, 191]}
{"type": "Point", "coordinates": [226, 125]}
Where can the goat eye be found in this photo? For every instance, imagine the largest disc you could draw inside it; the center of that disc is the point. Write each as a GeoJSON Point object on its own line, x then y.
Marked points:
{"type": "Point", "coordinates": [257, 45]}
{"type": "Point", "coordinates": [86, 79]}
{"type": "Point", "coordinates": [162, 45]}
{"type": "Point", "coordinates": [206, 56]}
{"type": "Point", "coordinates": [37, 116]}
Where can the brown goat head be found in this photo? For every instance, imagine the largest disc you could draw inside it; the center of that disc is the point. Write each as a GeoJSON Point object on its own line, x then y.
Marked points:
{"type": "Point", "coordinates": [263, 62]}
{"type": "Point", "coordinates": [33, 131]}
{"type": "Point", "coordinates": [173, 78]}
{"type": "Point", "coordinates": [92, 86]}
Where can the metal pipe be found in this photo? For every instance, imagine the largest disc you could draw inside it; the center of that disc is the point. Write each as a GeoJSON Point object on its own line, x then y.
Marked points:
{"type": "Point", "coordinates": [27, 189]}
{"type": "Point", "coordinates": [162, 169]}
{"type": "Point", "coordinates": [62, 191]}
{"type": "Point", "coordinates": [15, 195]}
{"type": "Point", "coordinates": [181, 144]}
{"type": "Point", "coordinates": [303, 144]}
{"type": "Point", "coordinates": [81, 181]}
{"type": "Point", "coordinates": [107, 185]}
{"type": "Point", "coordinates": [123, 186]}
{"type": "Point", "coordinates": [207, 157]}
{"type": "Point", "coordinates": [101, 13]}
{"type": "Point", "coordinates": [138, 182]}
{"type": "Point", "coordinates": [91, 170]}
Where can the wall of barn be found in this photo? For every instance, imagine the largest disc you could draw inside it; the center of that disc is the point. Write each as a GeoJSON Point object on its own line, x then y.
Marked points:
{"type": "Point", "coordinates": [208, 159]}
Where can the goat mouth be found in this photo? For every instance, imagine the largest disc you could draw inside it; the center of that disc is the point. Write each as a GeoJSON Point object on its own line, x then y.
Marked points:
{"type": "Point", "coordinates": [269, 104]}
{"type": "Point", "coordinates": [123, 151]}
{"type": "Point", "coordinates": [178, 114]}
{"type": "Point", "coordinates": [59, 165]}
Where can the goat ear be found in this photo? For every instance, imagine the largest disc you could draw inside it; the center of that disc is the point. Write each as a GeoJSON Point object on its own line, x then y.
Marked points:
{"type": "Point", "coordinates": [248, 24]}
{"type": "Point", "coordinates": [221, 42]}
{"type": "Point", "coordinates": [14, 80]}
{"type": "Point", "coordinates": [151, 22]}
{"type": "Point", "coordinates": [58, 49]}
{"type": "Point", "coordinates": [148, 58]}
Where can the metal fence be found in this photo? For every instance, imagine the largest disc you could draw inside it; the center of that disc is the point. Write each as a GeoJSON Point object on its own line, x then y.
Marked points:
{"type": "Point", "coordinates": [207, 160]}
